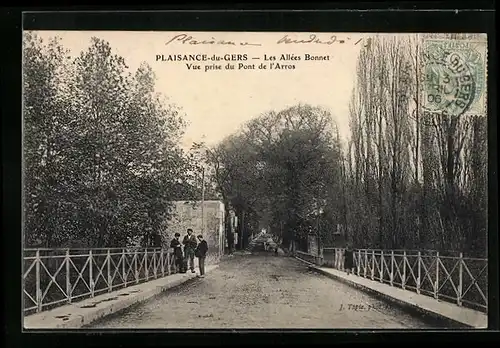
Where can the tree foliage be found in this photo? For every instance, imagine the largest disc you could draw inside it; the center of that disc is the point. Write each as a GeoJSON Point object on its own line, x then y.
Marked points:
{"type": "Point", "coordinates": [416, 180]}
{"type": "Point", "coordinates": [403, 179]}
{"type": "Point", "coordinates": [280, 169]}
{"type": "Point", "coordinates": [101, 154]}
{"type": "Point", "coordinates": [102, 160]}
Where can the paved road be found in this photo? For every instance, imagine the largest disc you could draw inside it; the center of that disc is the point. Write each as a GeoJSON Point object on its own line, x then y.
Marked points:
{"type": "Point", "coordinates": [262, 291]}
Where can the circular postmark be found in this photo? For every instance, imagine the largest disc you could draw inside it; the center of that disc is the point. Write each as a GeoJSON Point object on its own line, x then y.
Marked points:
{"type": "Point", "coordinates": [449, 86]}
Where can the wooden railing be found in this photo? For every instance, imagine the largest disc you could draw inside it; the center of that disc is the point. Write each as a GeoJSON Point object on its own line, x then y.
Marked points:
{"type": "Point", "coordinates": [53, 277]}
{"type": "Point", "coordinates": [460, 279]}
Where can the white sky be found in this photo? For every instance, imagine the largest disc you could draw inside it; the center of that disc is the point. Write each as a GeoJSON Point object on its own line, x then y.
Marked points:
{"type": "Point", "coordinates": [217, 103]}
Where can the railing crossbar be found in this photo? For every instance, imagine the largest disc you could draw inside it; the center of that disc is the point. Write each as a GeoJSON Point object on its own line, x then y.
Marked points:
{"type": "Point", "coordinates": [414, 277]}
{"type": "Point", "coordinates": [398, 269]}
{"type": "Point", "coordinates": [383, 266]}
{"type": "Point", "coordinates": [117, 270]}
{"type": "Point", "coordinates": [80, 275]}
{"type": "Point", "coordinates": [30, 268]}
{"type": "Point", "coordinates": [474, 281]}
{"type": "Point", "coordinates": [129, 265]}
{"type": "Point", "coordinates": [448, 276]}
{"type": "Point", "coordinates": [29, 296]}
{"type": "Point", "coordinates": [100, 274]}
{"type": "Point", "coordinates": [141, 264]}
{"type": "Point", "coordinates": [377, 263]}
{"type": "Point", "coordinates": [427, 271]}
{"type": "Point", "coordinates": [53, 279]}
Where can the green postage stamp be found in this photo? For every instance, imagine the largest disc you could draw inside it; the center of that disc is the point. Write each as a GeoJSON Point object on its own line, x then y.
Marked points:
{"type": "Point", "coordinates": [455, 76]}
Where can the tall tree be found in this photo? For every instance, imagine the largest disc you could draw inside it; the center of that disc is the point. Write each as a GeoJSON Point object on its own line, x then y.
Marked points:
{"type": "Point", "coordinates": [46, 139]}
{"type": "Point", "coordinates": [102, 160]}
{"type": "Point", "coordinates": [421, 164]}
{"type": "Point", "coordinates": [280, 168]}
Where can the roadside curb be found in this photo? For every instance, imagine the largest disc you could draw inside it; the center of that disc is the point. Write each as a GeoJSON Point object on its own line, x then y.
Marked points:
{"type": "Point", "coordinates": [104, 305]}
{"type": "Point", "coordinates": [409, 307]}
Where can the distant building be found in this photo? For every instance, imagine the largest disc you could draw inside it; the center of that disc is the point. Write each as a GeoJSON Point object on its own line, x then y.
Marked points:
{"type": "Point", "coordinates": [188, 214]}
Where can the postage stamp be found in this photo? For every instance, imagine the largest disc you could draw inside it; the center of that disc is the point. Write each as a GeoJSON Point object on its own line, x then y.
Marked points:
{"type": "Point", "coordinates": [454, 76]}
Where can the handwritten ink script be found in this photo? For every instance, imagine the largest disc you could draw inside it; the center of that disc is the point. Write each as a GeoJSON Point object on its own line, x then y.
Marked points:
{"type": "Point", "coordinates": [256, 61]}
{"type": "Point", "coordinates": [315, 39]}
{"type": "Point", "coordinates": [188, 39]}
{"type": "Point", "coordinates": [360, 307]}
{"type": "Point", "coordinates": [287, 39]}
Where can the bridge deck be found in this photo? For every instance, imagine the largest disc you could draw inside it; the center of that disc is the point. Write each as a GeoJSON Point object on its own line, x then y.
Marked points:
{"type": "Point", "coordinates": [264, 291]}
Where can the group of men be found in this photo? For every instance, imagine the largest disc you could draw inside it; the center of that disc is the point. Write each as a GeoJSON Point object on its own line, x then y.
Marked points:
{"type": "Point", "coordinates": [192, 246]}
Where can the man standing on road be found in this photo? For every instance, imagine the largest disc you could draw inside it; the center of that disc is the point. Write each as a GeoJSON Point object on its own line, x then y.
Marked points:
{"type": "Point", "coordinates": [201, 254]}
{"type": "Point", "coordinates": [176, 245]}
{"type": "Point", "coordinates": [190, 244]}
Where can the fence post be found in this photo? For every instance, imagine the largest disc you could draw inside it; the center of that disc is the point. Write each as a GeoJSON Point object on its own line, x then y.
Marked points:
{"type": "Point", "coordinates": [359, 262]}
{"type": "Point", "coordinates": [108, 261]}
{"type": "Point", "coordinates": [91, 274]}
{"type": "Point", "coordinates": [124, 273]}
{"type": "Point", "coordinates": [392, 268]}
{"type": "Point", "coordinates": [38, 283]}
{"type": "Point", "coordinates": [373, 264]}
{"type": "Point", "coordinates": [136, 269]}
{"type": "Point", "coordinates": [365, 263]}
{"type": "Point", "coordinates": [68, 278]}
{"type": "Point", "coordinates": [162, 263]}
{"type": "Point", "coordinates": [419, 271]}
{"type": "Point", "coordinates": [169, 267]}
{"type": "Point", "coordinates": [382, 266]}
{"type": "Point", "coordinates": [436, 284]}
{"type": "Point", "coordinates": [403, 281]}
{"type": "Point", "coordinates": [154, 263]}
{"type": "Point", "coordinates": [460, 280]}
{"type": "Point", "coordinates": [146, 270]}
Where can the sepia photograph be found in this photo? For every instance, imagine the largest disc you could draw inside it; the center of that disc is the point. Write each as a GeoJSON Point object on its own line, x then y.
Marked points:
{"type": "Point", "coordinates": [254, 180]}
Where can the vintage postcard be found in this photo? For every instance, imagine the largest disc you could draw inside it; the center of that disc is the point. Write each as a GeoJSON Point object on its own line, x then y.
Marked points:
{"type": "Point", "coordinates": [254, 180]}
